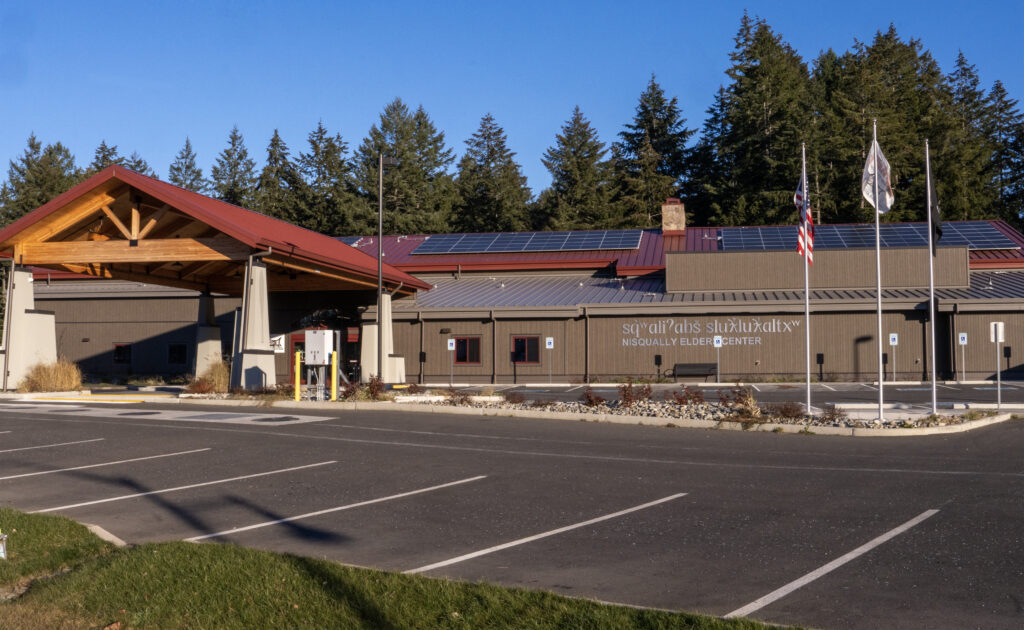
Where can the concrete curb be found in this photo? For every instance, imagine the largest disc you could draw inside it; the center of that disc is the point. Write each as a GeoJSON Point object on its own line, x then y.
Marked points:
{"type": "Point", "coordinates": [611, 418]}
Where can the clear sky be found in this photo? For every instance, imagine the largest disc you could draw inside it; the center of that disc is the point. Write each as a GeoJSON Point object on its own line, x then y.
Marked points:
{"type": "Point", "coordinates": [145, 74]}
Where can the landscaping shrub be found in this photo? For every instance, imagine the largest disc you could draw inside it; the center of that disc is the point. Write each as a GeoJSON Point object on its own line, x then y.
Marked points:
{"type": "Point", "coordinates": [514, 398]}
{"type": "Point", "coordinates": [831, 413]}
{"type": "Point", "coordinates": [686, 396]}
{"type": "Point", "coordinates": [375, 387]}
{"type": "Point", "coordinates": [788, 410]}
{"type": "Point", "coordinates": [591, 399]}
{"type": "Point", "coordinates": [456, 397]}
{"type": "Point", "coordinates": [740, 401]}
{"type": "Point", "coordinates": [214, 380]}
{"type": "Point", "coordinates": [629, 394]}
{"type": "Point", "coordinates": [61, 376]}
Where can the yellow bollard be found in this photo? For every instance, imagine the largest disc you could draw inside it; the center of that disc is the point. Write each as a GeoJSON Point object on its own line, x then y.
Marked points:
{"type": "Point", "coordinates": [298, 375]}
{"type": "Point", "coordinates": [334, 376]}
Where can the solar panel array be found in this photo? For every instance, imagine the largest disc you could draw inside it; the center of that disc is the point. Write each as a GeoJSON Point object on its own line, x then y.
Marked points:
{"type": "Point", "coordinates": [506, 242]}
{"type": "Point", "coordinates": [973, 234]}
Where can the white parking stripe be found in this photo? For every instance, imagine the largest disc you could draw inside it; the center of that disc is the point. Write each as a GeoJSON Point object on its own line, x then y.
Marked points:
{"type": "Point", "coordinates": [337, 509]}
{"type": "Point", "coordinates": [29, 448]}
{"type": "Point", "coordinates": [827, 387]}
{"type": "Point", "coordinates": [120, 461]}
{"type": "Point", "coordinates": [756, 388]}
{"type": "Point", "coordinates": [189, 487]}
{"type": "Point", "coordinates": [758, 604]}
{"type": "Point", "coordinates": [523, 541]}
{"type": "Point", "coordinates": [4, 431]}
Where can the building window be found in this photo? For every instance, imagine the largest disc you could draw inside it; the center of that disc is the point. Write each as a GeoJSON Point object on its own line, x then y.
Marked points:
{"type": "Point", "coordinates": [526, 349]}
{"type": "Point", "coordinates": [122, 353]}
{"type": "Point", "coordinates": [467, 349]}
{"type": "Point", "coordinates": [177, 354]}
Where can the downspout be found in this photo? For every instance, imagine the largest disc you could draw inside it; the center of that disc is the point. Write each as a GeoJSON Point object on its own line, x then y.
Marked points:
{"type": "Point", "coordinates": [494, 349]}
{"type": "Point", "coordinates": [419, 357]}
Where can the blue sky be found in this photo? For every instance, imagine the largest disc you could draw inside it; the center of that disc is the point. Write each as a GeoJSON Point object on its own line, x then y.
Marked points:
{"type": "Point", "coordinates": [144, 75]}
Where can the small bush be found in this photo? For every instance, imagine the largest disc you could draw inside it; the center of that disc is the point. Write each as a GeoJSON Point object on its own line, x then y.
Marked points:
{"type": "Point", "coordinates": [216, 379]}
{"type": "Point", "coordinates": [62, 376]}
{"type": "Point", "coordinates": [740, 401]}
{"type": "Point", "coordinates": [416, 388]}
{"type": "Point", "coordinates": [788, 410]}
{"type": "Point", "coordinates": [514, 397]}
{"type": "Point", "coordinates": [375, 387]}
{"type": "Point", "coordinates": [832, 414]}
{"type": "Point", "coordinates": [457, 397]}
{"type": "Point", "coordinates": [591, 399]}
{"type": "Point", "coordinates": [686, 396]}
{"type": "Point", "coordinates": [629, 395]}
{"type": "Point", "coordinates": [349, 391]}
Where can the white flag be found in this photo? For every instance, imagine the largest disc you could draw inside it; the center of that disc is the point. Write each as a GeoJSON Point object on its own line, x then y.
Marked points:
{"type": "Point", "coordinates": [885, 196]}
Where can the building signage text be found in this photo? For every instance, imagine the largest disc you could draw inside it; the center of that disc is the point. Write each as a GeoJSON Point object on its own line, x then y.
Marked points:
{"type": "Point", "coordinates": [735, 331]}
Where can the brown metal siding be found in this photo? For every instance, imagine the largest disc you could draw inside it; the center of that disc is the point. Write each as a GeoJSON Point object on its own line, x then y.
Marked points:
{"type": "Point", "coordinates": [833, 269]}
{"type": "Point", "coordinates": [980, 353]}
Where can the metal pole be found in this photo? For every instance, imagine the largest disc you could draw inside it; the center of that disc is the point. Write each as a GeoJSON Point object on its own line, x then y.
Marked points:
{"type": "Point", "coordinates": [380, 264]}
{"type": "Point", "coordinates": [999, 378]}
{"type": "Point", "coordinates": [931, 274]}
{"type": "Point", "coordinates": [963, 363]}
{"type": "Point", "coordinates": [718, 365]}
{"type": "Point", "coordinates": [878, 271]}
{"type": "Point", "coordinates": [807, 290]}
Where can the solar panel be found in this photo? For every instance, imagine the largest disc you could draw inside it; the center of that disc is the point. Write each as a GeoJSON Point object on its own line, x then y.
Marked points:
{"type": "Point", "coordinates": [505, 242]}
{"type": "Point", "coordinates": [973, 234]}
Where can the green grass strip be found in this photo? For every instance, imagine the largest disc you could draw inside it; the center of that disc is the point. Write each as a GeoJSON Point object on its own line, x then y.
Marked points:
{"type": "Point", "coordinates": [183, 585]}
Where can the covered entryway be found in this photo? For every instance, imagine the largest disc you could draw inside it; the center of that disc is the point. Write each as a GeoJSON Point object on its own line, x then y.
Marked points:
{"type": "Point", "coordinates": [121, 225]}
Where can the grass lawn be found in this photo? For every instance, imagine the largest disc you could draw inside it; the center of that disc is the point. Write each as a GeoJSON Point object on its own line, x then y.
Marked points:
{"type": "Point", "coordinates": [185, 585]}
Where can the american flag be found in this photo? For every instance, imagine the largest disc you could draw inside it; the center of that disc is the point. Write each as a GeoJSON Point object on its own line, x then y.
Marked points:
{"type": "Point", "coordinates": [805, 238]}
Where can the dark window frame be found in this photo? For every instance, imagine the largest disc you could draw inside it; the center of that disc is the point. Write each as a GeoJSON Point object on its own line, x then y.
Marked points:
{"type": "Point", "coordinates": [179, 347]}
{"type": "Point", "coordinates": [528, 341]}
{"type": "Point", "coordinates": [120, 349]}
{"type": "Point", "coordinates": [466, 342]}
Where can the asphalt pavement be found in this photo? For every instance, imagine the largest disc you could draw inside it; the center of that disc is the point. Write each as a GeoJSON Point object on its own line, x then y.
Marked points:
{"type": "Point", "coordinates": [828, 532]}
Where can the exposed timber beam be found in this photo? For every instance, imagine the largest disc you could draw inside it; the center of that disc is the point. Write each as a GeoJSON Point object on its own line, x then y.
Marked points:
{"type": "Point", "coordinates": [152, 221]}
{"type": "Point", "coordinates": [148, 251]}
{"type": "Point", "coordinates": [117, 222]}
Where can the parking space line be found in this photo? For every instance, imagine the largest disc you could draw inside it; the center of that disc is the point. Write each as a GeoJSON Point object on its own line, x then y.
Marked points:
{"type": "Point", "coordinates": [779, 593]}
{"type": "Point", "coordinates": [188, 487]}
{"type": "Point", "coordinates": [4, 431]}
{"type": "Point", "coordinates": [120, 461]}
{"type": "Point", "coordinates": [827, 387]}
{"type": "Point", "coordinates": [523, 541]}
{"type": "Point", "coordinates": [337, 509]}
{"type": "Point", "coordinates": [29, 448]}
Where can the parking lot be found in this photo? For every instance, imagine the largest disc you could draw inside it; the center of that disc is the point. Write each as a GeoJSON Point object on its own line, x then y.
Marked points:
{"type": "Point", "coordinates": [821, 531]}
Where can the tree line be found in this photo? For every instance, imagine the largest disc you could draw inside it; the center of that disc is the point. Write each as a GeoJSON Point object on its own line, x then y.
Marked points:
{"type": "Point", "coordinates": [739, 168]}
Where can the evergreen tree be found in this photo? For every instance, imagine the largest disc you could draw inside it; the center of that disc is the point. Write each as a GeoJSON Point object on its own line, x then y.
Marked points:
{"type": "Point", "coordinates": [184, 172]}
{"type": "Point", "coordinates": [1006, 134]}
{"type": "Point", "coordinates": [658, 132]}
{"type": "Point", "coordinates": [279, 184]}
{"type": "Point", "coordinates": [709, 170]}
{"type": "Point", "coordinates": [491, 184]}
{"type": "Point", "coordinates": [39, 175]}
{"type": "Point", "coordinates": [419, 194]}
{"type": "Point", "coordinates": [233, 176]}
{"type": "Point", "coordinates": [327, 201]}
{"type": "Point", "coordinates": [103, 157]}
{"type": "Point", "coordinates": [137, 164]}
{"type": "Point", "coordinates": [579, 195]}
{"type": "Point", "coordinates": [766, 116]}
{"type": "Point", "coordinates": [967, 153]}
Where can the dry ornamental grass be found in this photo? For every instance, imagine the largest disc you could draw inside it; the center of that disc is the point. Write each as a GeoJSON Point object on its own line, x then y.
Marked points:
{"type": "Point", "coordinates": [62, 376]}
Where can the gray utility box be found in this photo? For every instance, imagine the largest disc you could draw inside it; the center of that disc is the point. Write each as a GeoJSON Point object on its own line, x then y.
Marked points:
{"type": "Point", "coordinates": [319, 346]}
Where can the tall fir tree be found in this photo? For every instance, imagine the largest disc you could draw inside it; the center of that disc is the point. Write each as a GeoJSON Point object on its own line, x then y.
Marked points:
{"type": "Point", "coordinates": [580, 179]}
{"type": "Point", "coordinates": [327, 201]}
{"type": "Point", "coordinates": [1005, 131]}
{"type": "Point", "coordinates": [136, 163]}
{"type": "Point", "coordinates": [233, 176]}
{"type": "Point", "coordinates": [280, 190]}
{"type": "Point", "coordinates": [966, 153]}
{"type": "Point", "coordinates": [104, 156]}
{"type": "Point", "coordinates": [39, 175]}
{"type": "Point", "coordinates": [650, 157]}
{"type": "Point", "coordinates": [419, 193]}
{"type": "Point", "coordinates": [492, 187]}
{"type": "Point", "coordinates": [184, 172]}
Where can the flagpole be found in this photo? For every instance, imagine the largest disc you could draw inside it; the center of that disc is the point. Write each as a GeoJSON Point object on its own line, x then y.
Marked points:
{"type": "Point", "coordinates": [931, 272]}
{"type": "Point", "coordinates": [878, 269]}
{"type": "Point", "coordinates": [807, 292]}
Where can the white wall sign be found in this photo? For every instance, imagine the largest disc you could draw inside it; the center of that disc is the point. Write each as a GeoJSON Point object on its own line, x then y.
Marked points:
{"type": "Point", "coordinates": [451, 344]}
{"type": "Point", "coordinates": [894, 339]}
{"type": "Point", "coordinates": [277, 344]}
{"type": "Point", "coordinates": [996, 332]}
{"type": "Point", "coordinates": [549, 343]}
{"type": "Point", "coordinates": [962, 338]}
{"type": "Point", "coordinates": [718, 341]}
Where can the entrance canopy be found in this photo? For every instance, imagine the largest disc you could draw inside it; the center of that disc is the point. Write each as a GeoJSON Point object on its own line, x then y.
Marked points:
{"type": "Point", "coordinates": [121, 225]}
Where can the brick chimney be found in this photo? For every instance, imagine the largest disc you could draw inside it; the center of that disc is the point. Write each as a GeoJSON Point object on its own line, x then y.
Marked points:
{"type": "Point", "coordinates": [673, 217]}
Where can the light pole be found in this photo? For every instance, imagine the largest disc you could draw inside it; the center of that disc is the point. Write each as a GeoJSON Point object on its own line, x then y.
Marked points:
{"type": "Point", "coordinates": [384, 161]}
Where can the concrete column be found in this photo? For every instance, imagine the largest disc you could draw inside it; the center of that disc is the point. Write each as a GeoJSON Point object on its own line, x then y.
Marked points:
{"type": "Point", "coordinates": [208, 348]}
{"type": "Point", "coordinates": [394, 367]}
{"type": "Point", "coordinates": [29, 335]}
{"type": "Point", "coordinates": [252, 364]}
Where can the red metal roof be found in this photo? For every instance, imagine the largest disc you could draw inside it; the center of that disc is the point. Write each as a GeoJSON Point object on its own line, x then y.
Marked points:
{"type": "Point", "coordinates": [256, 230]}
